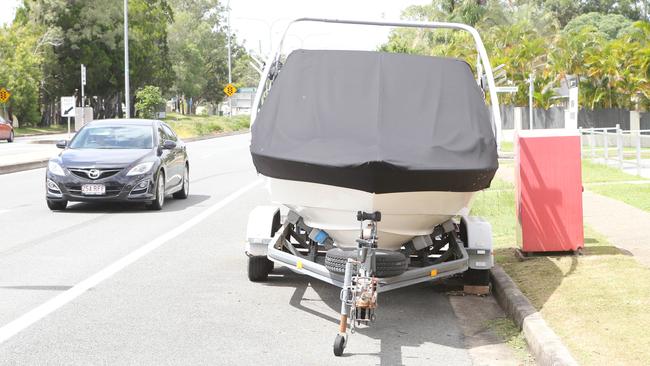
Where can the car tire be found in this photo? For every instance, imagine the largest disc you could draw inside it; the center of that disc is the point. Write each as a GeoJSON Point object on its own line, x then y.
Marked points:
{"type": "Point", "coordinates": [185, 190]}
{"type": "Point", "coordinates": [57, 205]}
{"type": "Point", "coordinates": [259, 267]}
{"type": "Point", "coordinates": [157, 204]}
{"type": "Point", "coordinates": [388, 263]}
{"type": "Point", "coordinates": [11, 137]}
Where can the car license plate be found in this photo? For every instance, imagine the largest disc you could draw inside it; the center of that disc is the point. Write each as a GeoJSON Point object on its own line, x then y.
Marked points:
{"type": "Point", "coordinates": [93, 189]}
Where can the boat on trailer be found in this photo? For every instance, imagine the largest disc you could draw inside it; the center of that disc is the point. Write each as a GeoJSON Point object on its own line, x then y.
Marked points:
{"type": "Point", "coordinates": [377, 157]}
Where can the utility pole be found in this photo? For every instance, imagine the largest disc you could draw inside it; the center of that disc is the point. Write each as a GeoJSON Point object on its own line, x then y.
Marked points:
{"type": "Point", "coordinates": [229, 63]}
{"type": "Point", "coordinates": [531, 90]}
{"type": "Point", "coordinates": [127, 96]}
{"type": "Point", "coordinates": [83, 83]}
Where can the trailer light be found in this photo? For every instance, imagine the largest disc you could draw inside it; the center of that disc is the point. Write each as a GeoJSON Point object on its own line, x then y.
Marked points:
{"type": "Point", "coordinates": [299, 265]}
{"type": "Point", "coordinates": [434, 272]}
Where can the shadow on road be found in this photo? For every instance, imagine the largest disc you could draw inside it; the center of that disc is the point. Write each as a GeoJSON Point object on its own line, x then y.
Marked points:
{"type": "Point", "coordinates": [406, 317]}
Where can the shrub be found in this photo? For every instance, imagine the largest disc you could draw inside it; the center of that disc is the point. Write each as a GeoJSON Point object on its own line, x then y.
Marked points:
{"type": "Point", "coordinates": [148, 99]}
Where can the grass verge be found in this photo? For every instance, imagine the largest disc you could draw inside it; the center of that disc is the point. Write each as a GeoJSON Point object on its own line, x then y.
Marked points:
{"type": "Point", "coordinates": [608, 183]}
{"type": "Point", "coordinates": [21, 131]}
{"type": "Point", "coordinates": [187, 126]}
{"type": "Point", "coordinates": [637, 195]}
{"type": "Point", "coordinates": [596, 303]}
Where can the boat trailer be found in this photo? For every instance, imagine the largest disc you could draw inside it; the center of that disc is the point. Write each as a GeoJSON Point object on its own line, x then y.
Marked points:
{"type": "Point", "coordinates": [364, 271]}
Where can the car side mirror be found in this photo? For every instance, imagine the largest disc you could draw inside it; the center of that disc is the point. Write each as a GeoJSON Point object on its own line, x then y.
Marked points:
{"type": "Point", "coordinates": [62, 144]}
{"type": "Point", "coordinates": [168, 145]}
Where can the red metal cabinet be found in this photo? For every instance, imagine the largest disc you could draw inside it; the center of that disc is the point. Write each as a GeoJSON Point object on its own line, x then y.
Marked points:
{"type": "Point", "coordinates": [548, 175]}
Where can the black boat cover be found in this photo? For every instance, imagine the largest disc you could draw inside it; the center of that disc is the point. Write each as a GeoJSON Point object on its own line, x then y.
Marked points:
{"type": "Point", "coordinates": [377, 122]}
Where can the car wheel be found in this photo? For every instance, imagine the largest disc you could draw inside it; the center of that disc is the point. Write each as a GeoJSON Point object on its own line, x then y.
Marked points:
{"type": "Point", "coordinates": [185, 191]}
{"type": "Point", "coordinates": [11, 137]}
{"type": "Point", "coordinates": [57, 205]}
{"type": "Point", "coordinates": [158, 203]}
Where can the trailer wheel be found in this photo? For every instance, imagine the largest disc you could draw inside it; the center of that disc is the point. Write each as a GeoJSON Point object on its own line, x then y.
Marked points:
{"type": "Point", "coordinates": [476, 277]}
{"type": "Point", "coordinates": [388, 263]}
{"type": "Point", "coordinates": [259, 268]}
{"type": "Point", "coordinates": [339, 345]}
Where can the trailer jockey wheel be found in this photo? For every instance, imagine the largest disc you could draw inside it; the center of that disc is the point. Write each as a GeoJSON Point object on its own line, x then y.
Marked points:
{"type": "Point", "coordinates": [339, 345]}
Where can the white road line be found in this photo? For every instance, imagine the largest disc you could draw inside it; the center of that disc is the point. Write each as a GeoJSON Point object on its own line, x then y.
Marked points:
{"type": "Point", "coordinates": [38, 313]}
{"type": "Point", "coordinates": [3, 211]}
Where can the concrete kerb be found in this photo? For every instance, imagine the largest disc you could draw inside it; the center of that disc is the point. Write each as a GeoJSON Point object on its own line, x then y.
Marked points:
{"type": "Point", "coordinates": [544, 344]}
{"type": "Point", "coordinates": [13, 168]}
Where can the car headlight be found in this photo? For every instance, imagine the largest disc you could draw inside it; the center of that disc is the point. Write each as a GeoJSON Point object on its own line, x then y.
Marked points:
{"type": "Point", "coordinates": [55, 168]}
{"type": "Point", "coordinates": [140, 168]}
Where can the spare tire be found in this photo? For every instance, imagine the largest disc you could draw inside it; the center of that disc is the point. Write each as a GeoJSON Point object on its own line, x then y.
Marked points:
{"type": "Point", "coordinates": [388, 263]}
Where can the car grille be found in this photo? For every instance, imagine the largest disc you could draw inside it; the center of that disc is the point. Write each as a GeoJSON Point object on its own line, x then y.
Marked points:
{"type": "Point", "coordinates": [112, 189]}
{"type": "Point", "coordinates": [103, 173]}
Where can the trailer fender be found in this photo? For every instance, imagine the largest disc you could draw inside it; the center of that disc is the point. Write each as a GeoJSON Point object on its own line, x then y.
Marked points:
{"type": "Point", "coordinates": [478, 241]}
{"type": "Point", "coordinates": [263, 222]}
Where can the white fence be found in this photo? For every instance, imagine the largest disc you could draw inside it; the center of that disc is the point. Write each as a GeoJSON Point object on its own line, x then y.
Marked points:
{"type": "Point", "coordinates": [614, 146]}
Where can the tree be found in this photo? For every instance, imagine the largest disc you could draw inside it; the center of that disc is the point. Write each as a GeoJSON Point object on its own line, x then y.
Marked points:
{"type": "Point", "coordinates": [198, 50]}
{"type": "Point", "coordinates": [22, 55]}
{"type": "Point", "coordinates": [148, 100]}
{"type": "Point", "coordinates": [92, 34]}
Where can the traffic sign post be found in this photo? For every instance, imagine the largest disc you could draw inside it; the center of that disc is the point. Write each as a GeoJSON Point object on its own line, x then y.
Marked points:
{"type": "Point", "coordinates": [4, 95]}
{"type": "Point", "coordinates": [4, 98]}
{"type": "Point", "coordinates": [67, 110]}
{"type": "Point", "coordinates": [230, 90]}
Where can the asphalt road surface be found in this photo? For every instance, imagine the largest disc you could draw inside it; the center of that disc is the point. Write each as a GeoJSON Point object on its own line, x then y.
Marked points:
{"type": "Point", "coordinates": [115, 284]}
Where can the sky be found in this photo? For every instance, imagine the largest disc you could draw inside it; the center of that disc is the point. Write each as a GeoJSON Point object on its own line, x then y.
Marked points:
{"type": "Point", "coordinates": [260, 23]}
{"type": "Point", "coordinates": [8, 10]}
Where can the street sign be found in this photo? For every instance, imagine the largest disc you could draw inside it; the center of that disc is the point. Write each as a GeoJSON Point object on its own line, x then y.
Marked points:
{"type": "Point", "coordinates": [507, 89]}
{"type": "Point", "coordinates": [230, 90]}
{"type": "Point", "coordinates": [4, 95]}
{"type": "Point", "coordinates": [67, 106]}
{"type": "Point", "coordinates": [83, 75]}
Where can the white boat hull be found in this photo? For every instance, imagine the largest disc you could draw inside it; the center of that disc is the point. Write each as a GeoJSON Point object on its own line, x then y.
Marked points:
{"type": "Point", "coordinates": [334, 209]}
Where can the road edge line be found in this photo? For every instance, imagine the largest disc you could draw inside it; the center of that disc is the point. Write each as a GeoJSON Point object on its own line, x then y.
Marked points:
{"type": "Point", "coordinates": [24, 321]}
{"type": "Point", "coordinates": [544, 344]}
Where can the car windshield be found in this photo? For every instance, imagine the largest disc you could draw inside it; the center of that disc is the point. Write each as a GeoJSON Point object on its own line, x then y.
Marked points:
{"type": "Point", "coordinates": [114, 137]}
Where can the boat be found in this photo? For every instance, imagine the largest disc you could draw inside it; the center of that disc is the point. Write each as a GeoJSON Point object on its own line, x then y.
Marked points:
{"type": "Point", "coordinates": [377, 158]}
{"type": "Point", "coordinates": [343, 131]}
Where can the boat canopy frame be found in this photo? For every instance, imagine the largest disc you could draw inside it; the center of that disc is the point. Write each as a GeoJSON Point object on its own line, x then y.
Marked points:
{"type": "Point", "coordinates": [483, 65]}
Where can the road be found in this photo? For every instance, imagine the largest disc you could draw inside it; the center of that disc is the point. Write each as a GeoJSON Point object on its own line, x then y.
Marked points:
{"type": "Point", "coordinates": [115, 284]}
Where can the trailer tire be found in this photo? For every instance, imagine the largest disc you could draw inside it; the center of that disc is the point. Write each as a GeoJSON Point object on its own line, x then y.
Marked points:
{"type": "Point", "coordinates": [259, 267]}
{"type": "Point", "coordinates": [388, 263]}
{"type": "Point", "coordinates": [476, 277]}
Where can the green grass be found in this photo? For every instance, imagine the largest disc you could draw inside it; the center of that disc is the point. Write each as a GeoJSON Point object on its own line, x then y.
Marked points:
{"type": "Point", "coordinates": [597, 303]}
{"type": "Point", "coordinates": [637, 195]}
{"type": "Point", "coordinates": [599, 173]}
{"type": "Point", "coordinates": [21, 131]}
{"type": "Point", "coordinates": [187, 126]}
{"type": "Point", "coordinates": [507, 146]}
{"type": "Point", "coordinates": [497, 205]}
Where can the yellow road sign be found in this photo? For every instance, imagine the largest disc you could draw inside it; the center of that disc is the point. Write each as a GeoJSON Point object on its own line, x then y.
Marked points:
{"type": "Point", "coordinates": [230, 90]}
{"type": "Point", "coordinates": [4, 95]}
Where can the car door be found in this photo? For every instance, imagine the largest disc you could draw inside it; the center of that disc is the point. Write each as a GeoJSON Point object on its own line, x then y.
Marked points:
{"type": "Point", "coordinates": [167, 158]}
{"type": "Point", "coordinates": [178, 160]}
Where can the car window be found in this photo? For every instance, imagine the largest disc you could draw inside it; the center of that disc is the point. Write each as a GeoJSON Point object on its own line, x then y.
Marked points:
{"type": "Point", "coordinates": [169, 132]}
{"type": "Point", "coordinates": [113, 137]}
